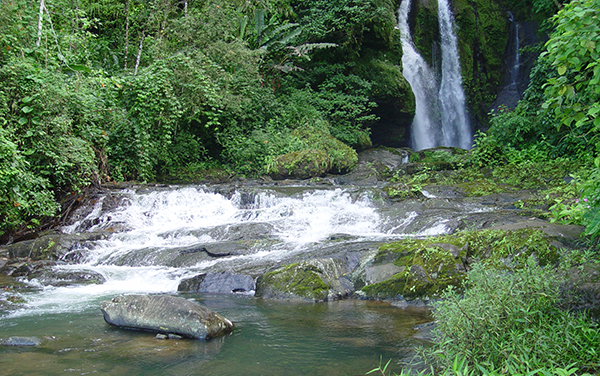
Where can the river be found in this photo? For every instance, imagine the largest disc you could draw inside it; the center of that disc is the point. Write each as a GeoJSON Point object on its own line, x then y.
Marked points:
{"type": "Point", "coordinates": [149, 244]}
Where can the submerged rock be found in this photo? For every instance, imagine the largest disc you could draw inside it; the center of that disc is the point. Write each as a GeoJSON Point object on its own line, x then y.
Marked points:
{"type": "Point", "coordinates": [165, 314]}
{"type": "Point", "coordinates": [22, 341]}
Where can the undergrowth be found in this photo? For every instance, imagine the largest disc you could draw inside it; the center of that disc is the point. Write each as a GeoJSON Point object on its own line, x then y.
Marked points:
{"type": "Point", "coordinates": [510, 322]}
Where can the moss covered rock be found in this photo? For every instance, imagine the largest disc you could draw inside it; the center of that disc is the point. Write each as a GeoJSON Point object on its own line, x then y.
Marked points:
{"type": "Point", "coordinates": [302, 164]}
{"type": "Point", "coordinates": [312, 280]}
{"type": "Point", "coordinates": [324, 154]}
{"type": "Point", "coordinates": [426, 267]}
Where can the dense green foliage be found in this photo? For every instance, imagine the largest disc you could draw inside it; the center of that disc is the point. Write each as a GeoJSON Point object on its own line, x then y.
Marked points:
{"type": "Point", "coordinates": [95, 91]}
{"type": "Point", "coordinates": [558, 118]}
{"type": "Point", "coordinates": [512, 321]}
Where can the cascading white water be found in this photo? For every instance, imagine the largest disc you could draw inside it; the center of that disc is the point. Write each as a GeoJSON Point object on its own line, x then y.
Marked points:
{"type": "Point", "coordinates": [426, 132]}
{"type": "Point", "coordinates": [166, 221]}
{"type": "Point", "coordinates": [440, 116]}
{"type": "Point", "coordinates": [455, 122]}
{"type": "Point", "coordinates": [154, 239]}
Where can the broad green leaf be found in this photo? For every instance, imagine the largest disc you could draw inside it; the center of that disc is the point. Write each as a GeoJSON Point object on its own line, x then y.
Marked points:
{"type": "Point", "coordinates": [80, 68]}
{"type": "Point", "coordinates": [562, 69]}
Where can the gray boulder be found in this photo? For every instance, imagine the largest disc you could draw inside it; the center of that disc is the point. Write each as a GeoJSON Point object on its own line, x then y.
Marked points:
{"type": "Point", "coordinates": [222, 283]}
{"type": "Point", "coordinates": [165, 314]}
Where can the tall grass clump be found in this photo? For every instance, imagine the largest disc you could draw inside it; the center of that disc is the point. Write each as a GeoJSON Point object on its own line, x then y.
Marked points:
{"type": "Point", "coordinates": [511, 322]}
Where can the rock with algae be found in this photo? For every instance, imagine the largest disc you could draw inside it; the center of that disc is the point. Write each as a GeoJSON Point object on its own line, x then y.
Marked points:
{"type": "Point", "coordinates": [165, 314]}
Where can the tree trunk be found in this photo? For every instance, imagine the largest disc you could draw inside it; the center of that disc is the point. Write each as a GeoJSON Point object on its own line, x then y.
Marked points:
{"type": "Point", "coordinates": [41, 14]}
{"type": "Point", "coordinates": [139, 55]}
{"type": "Point", "coordinates": [126, 32]}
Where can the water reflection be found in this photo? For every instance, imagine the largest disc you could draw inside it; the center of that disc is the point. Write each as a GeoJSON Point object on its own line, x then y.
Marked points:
{"type": "Point", "coordinates": [271, 338]}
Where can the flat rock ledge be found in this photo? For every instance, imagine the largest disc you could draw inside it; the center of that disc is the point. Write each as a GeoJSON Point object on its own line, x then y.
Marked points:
{"type": "Point", "coordinates": [165, 314]}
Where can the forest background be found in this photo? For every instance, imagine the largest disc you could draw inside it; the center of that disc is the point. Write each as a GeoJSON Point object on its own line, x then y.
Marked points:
{"type": "Point", "coordinates": [162, 90]}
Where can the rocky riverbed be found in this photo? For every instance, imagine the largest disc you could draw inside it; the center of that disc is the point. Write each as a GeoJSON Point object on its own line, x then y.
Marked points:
{"type": "Point", "coordinates": [434, 232]}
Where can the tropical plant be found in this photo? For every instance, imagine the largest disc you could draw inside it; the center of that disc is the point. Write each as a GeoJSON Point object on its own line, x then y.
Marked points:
{"type": "Point", "coordinates": [510, 320]}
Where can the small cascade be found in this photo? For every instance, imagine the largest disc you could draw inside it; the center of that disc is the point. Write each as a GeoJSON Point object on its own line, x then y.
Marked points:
{"type": "Point", "coordinates": [510, 94]}
{"type": "Point", "coordinates": [455, 122]}
{"type": "Point", "coordinates": [514, 52]}
{"type": "Point", "coordinates": [440, 118]}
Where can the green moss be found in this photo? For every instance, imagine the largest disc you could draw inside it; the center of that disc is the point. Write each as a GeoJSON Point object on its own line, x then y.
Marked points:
{"type": "Point", "coordinates": [298, 279]}
{"type": "Point", "coordinates": [430, 265]}
{"type": "Point", "coordinates": [300, 164]}
{"type": "Point", "coordinates": [425, 28]}
{"type": "Point", "coordinates": [481, 187]}
{"type": "Point", "coordinates": [323, 154]}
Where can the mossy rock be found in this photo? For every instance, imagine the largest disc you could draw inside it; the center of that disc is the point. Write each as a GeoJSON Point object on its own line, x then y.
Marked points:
{"type": "Point", "coordinates": [481, 187]}
{"type": "Point", "coordinates": [425, 271]}
{"type": "Point", "coordinates": [302, 164]}
{"type": "Point", "coordinates": [428, 266]}
{"type": "Point", "coordinates": [325, 154]}
{"type": "Point", "coordinates": [312, 280]}
{"type": "Point", "coordinates": [341, 157]}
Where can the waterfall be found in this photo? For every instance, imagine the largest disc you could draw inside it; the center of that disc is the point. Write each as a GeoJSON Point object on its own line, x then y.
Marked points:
{"type": "Point", "coordinates": [516, 63]}
{"type": "Point", "coordinates": [426, 132]}
{"type": "Point", "coordinates": [455, 122]}
{"type": "Point", "coordinates": [510, 94]}
{"type": "Point", "coordinates": [440, 117]}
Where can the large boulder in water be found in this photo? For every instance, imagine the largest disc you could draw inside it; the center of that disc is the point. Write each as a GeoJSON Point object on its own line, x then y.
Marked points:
{"type": "Point", "coordinates": [165, 314]}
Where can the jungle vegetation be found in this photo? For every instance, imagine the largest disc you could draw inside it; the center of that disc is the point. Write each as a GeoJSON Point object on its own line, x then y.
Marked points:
{"type": "Point", "coordinates": [106, 91]}
{"type": "Point", "coordinates": [163, 90]}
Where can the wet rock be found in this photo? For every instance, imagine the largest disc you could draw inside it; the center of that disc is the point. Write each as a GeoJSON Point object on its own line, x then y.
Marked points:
{"type": "Point", "coordinates": [22, 341]}
{"type": "Point", "coordinates": [311, 280]}
{"type": "Point", "coordinates": [375, 165]}
{"type": "Point", "coordinates": [425, 331]}
{"type": "Point", "coordinates": [51, 246]}
{"type": "Point", "coordinates": [61, 277]}
{"type": "Point", "coordinates": [165, 314]}
{"type": "Point", "coordinates": [223, 283]}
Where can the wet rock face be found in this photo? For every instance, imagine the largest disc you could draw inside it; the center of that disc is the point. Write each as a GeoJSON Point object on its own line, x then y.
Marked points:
{"type": "Point", "coordinates": [165, 314]}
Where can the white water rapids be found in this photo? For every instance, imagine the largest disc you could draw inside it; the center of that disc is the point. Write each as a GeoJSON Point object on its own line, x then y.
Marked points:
{"type": "Point", "coordinates": [149, 229]}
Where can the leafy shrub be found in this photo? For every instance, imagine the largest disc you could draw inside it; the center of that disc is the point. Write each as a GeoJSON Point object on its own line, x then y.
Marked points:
{"type": "Point", "coordinates": [24, 197]}
{"type": "Point", "coordinates": [487, 151]}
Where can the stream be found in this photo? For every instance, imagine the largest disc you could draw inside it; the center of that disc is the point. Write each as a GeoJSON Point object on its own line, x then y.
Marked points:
{"type": "Point", "coordinates": [152, 238]}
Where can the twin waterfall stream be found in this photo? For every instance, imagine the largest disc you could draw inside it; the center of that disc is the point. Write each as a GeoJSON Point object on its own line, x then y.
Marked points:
{"type": "Point", "coordinates": [441, 117]}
